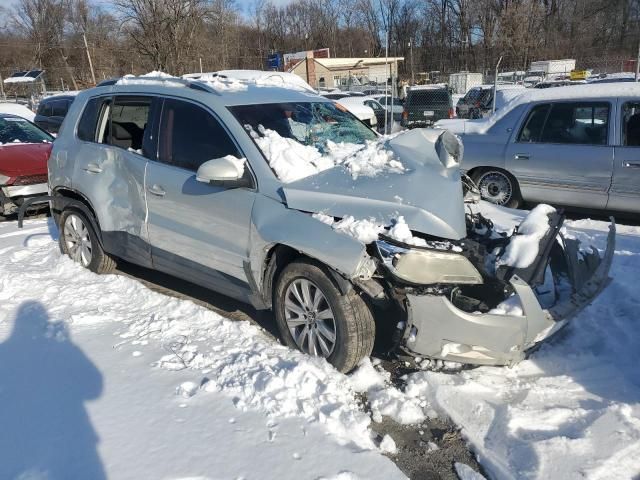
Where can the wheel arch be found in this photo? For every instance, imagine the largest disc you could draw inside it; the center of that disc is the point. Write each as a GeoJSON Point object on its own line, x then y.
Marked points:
{"type": "Point", "coordinates": [68, 198]}
{"type": "Point", "coordinates": [279, 256]}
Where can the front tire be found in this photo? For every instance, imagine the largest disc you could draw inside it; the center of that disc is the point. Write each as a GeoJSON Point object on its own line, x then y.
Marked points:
{"type": "Point", "coordinates": [315, 317]}
{"type": "Point", "coordinates": [79, 240]}
{"type": "Point", "coordinates": [498, 187]}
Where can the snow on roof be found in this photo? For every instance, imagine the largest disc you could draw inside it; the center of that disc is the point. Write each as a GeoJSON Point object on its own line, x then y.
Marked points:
{"type": "Point", "coordinates": [355, 62]}
{"type": "Point", "coordinates": [17, 109]}
{"type": "Point", "coordinates": [257, 77]}
{"type": "Point", "coordinates": [433, 86]}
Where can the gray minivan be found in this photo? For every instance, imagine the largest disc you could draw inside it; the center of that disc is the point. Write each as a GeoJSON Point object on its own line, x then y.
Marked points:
{"type": "Point", "coordinates": [239, 188]}
{"type": "Point", "coordinates": [576, 146]}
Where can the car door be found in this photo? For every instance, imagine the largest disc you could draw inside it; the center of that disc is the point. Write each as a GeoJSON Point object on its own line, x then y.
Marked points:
{"type": "Point", "coordinates": [624, 194]}
{"type": "Point", "coordinates": [561, 153]}
{"type": "Point", "coordinates": [116, 138]}
{"type": "Point", "coordinates": [197, 231]}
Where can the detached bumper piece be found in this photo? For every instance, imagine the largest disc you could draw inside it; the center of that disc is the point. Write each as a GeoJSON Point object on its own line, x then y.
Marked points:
{"type": "Point", "coordinates": [439, 330]}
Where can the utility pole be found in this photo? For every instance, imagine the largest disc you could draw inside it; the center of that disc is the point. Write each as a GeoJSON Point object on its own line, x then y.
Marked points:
{"type": "Point", "coordinates": [413, 81]}
{"type": "Point", "coordinates": [638, 62]}
{"type": "Point", "coordinates": [86, 48]}
{"type": "Point", "coordinates": [2, 88]}
{"type": "Point", "coordinates": [495, 86]}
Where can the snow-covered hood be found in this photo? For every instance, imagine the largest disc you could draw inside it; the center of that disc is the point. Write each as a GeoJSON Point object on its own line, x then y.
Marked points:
{"type": "Point", "coordinates": [428, 194]}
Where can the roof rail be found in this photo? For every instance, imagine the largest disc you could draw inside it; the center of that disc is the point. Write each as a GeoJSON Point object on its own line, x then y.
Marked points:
{"type": "Point", "coordinates": [193, 84]}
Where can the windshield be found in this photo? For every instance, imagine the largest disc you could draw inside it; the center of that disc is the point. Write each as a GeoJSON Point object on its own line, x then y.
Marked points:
{"type": "Point", "coordinates": [313, 124]}
{"type": "Point", "coordinates": [19, 130]}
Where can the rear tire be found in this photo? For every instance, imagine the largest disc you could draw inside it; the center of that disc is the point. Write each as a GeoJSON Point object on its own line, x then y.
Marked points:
{"type": "Point", "coordinates": [325, 322]}
{"type": "Point", "coordinates": [79, 241]}
{"type": "Point", "coordinates": [498, 187]}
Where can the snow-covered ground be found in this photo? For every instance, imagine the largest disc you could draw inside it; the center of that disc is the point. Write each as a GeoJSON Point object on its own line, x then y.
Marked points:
{"type": "Point", "coordinates": [572, 410]}
{"type": "Point", "coordinates": [100, 376]}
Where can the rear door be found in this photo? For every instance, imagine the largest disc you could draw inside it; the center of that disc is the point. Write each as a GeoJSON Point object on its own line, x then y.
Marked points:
{"type": "Point", "coordinates": [561, 153]}
{"type": "Point", "coordinates": [198, 231]}
{"type": "Point", "coordinates": [116, 138]}
{"type": "Point", "coordinates": [625, 187]}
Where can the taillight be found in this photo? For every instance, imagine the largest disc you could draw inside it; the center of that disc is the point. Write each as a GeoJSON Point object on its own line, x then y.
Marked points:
{"type": "Point", "coordinates": [451, 113]}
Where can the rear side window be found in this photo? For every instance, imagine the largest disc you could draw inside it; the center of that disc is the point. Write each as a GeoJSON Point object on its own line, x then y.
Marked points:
{"type": "Point", "coordinates": [532, 129]}
{"type": "Point", "coordinates": [128, 127]}
{"type": "Point", "coordinates": [190, 136]}
{"type": "Point", "coordinates": [631, 124]}
{"type": "Point", "coordinates": [89, 120]}
{"type": "Point", "coordinates": [577, 123]}
{"type": "Point", "coordinates": [59, 108]}
{"type": "Point", "coordinates": [44, 109]}
{"type": "Point", "coordinates": [438, 97]}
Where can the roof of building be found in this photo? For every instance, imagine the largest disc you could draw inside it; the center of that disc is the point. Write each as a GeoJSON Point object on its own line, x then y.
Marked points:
{"type": "Point", "coordinates": [355, 62]}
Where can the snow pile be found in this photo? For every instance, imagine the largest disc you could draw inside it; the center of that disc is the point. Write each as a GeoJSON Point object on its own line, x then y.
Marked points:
{"type": "Point", "coordinates": [291, 160]}
{"type": "Point", "coordinates": [384, 399]}
{"type": "Point", "coordinates": [388, 445]}
{"type": "Point", "coordinates": [522, 249]}
{"type": "Point", "coordinates": [368, 230]}
{"type": "Point", "coordinates": [226, 84]}
{"type": "Point", "coordinates": [152, 78]}
{"type": "Point", "coordinates": [572, 410]}
{"type": "Point", "coordinates": [465, 472]}
{"type": "Point", "coordinates": [400, 231]}
{"type": "Point", "coordinates": [510, 306]}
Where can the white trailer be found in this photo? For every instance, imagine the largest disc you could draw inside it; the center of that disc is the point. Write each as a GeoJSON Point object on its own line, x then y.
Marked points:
{"type": "Point", "coordinates": [553, 67]}
{"type": "Point", "coordinates": [463, 81]}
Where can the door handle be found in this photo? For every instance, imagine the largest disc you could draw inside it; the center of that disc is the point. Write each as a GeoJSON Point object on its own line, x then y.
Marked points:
{"type": "Point", "coordinates": [632, 164]}
{"type": "Point", "coordinates": [156, 190]}
{"type": "Point", "coordinates": [521, 156]}
{"type": "Point", "coordinates": [92, 168]}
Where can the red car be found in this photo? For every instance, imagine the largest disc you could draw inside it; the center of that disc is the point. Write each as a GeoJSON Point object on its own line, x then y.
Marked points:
{"type": "Point", "coordinates": [24, 151]}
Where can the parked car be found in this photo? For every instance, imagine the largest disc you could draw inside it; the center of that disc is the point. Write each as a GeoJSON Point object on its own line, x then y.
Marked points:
{"type": "Point", "coordinates": [478, 101]}
{"type": "Point", "coordinates": [51, 112]}
{"type": "Point", "coordinates": [193, 180]}
{"type": "Point", "coordinates": [363, 109]}
{"type": "Point", "coordinates": [574, 146]}
{"type": "Point", "coordinates": [394, 105]}
{"type": "Point", "coordinates": [426, 104]}
{"type": "Point", "coordinates": [355, 104]}
{"type": "Point", "coordinates": [17, 109]}
{"type": "Point", "coordinates": [24, 150]}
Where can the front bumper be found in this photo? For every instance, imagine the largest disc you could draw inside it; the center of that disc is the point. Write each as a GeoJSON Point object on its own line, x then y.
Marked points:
{"type": "Point", "coordinates": [440, 330]}
{"type": "Point", "coordinates": [13, 196]}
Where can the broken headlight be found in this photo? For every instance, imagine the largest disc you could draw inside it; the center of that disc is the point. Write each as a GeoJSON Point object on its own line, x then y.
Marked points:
{"type": "Point", "coordinates": [427, 266]}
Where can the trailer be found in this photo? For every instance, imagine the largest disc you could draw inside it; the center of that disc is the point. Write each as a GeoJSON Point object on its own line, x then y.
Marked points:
{"type": "Point", "coordinates": [462, 82]}
{"type": "Point", "coordinates": [548, 70]}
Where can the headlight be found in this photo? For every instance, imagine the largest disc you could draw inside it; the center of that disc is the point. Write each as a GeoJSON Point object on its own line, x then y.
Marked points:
{"type": "Point", "coordinates": [4, 179]}
{"type": "Point", "coordinates": [427, 267]}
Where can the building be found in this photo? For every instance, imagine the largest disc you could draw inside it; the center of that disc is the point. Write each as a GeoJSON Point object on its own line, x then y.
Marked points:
{"type": "Point", "coordinates": [343, 72]}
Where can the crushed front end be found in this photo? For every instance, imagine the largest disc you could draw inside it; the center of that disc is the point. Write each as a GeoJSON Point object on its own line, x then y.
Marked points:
{"type": "Point", "coordinates": [489, 298]}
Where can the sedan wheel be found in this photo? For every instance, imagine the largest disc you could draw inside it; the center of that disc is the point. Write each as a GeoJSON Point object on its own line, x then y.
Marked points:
{"type": "Point", "coordinates": [77, 240]}
{"type": "Point", "coordinates": [499, 187]}
{"type": "Point", "coordinates": [309, 318]}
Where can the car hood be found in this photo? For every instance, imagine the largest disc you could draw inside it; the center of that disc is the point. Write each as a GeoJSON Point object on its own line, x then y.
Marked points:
{"type": "Point", "coordinates": [19, 159]}
{"type": "Point", "coordinates": [428, 194]}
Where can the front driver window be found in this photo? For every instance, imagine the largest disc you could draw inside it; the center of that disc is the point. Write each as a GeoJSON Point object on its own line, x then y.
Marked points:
{"type": "Point", "coordinates": [190, 136]}
{"type": "Point", "coordinates": [631, 124]}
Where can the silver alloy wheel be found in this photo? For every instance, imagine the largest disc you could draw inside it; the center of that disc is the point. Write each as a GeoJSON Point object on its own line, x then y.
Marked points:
{"type": "Point", "coordinates": [77, 240]}
{"type": "Point", "coordinates": [496, 187]}
{"type": "Point", "coordinates": [309, 318]}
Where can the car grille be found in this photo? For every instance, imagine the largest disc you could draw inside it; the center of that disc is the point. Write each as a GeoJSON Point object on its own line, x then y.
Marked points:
{"type": "Point", "coordinates": [30, 179]}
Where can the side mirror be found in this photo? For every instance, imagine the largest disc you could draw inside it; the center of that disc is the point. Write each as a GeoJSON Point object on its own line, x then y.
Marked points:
{"type": "Point", "coordinates": [224, 172]}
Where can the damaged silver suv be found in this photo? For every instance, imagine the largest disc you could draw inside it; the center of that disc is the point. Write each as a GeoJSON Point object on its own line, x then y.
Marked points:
{"type": "Point", "coordinates": [284, 200]}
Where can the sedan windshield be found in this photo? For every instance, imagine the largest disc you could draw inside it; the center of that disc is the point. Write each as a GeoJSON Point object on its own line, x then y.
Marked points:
{"type": "Point", "coordinates": [312, 124]}
{"type": "Point", "coordinates": [19, 130]}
